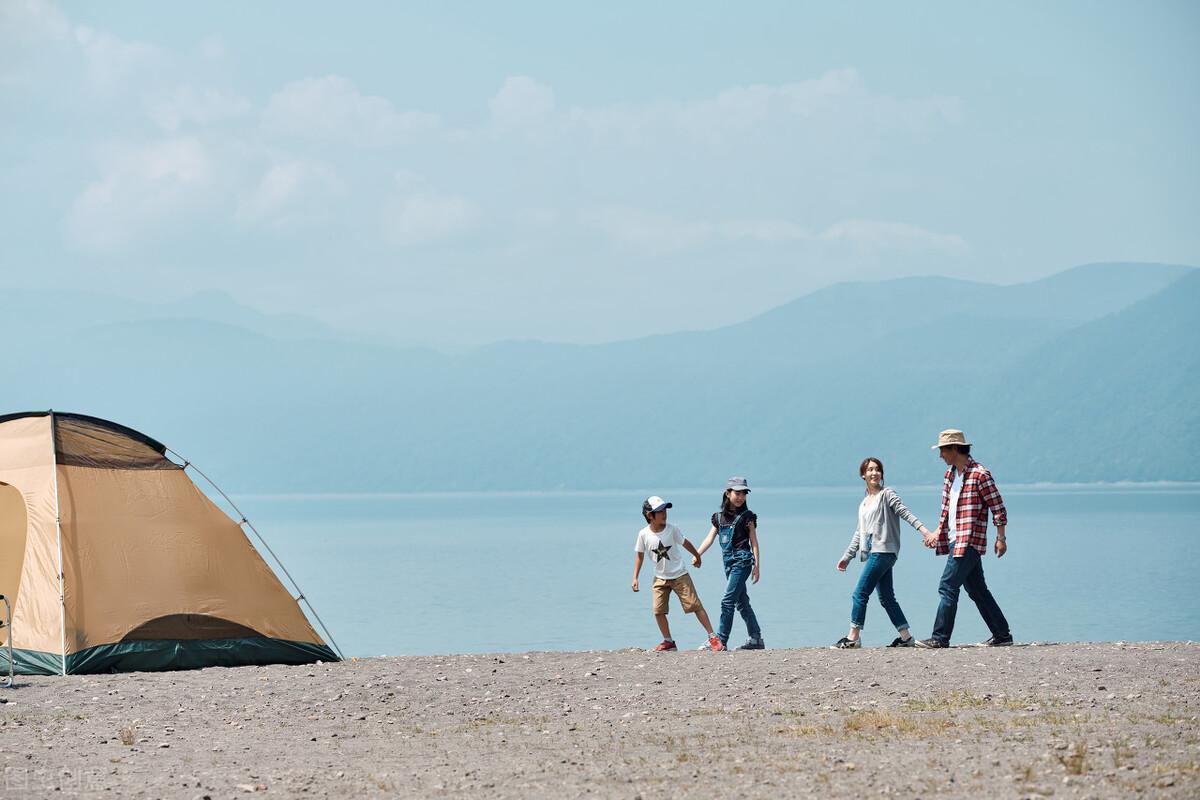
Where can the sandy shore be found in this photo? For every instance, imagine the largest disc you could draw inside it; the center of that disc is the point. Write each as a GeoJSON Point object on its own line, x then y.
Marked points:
{"type": "Point", "coordinates": [1103, 720]}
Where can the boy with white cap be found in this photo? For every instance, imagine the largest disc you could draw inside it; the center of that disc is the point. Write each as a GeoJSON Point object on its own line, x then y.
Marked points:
{"type": "Point", "coordinates": [666, 543]}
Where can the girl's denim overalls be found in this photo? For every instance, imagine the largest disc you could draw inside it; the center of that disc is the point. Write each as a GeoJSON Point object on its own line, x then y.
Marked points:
{"type": "Point", "coordinates": [738, 566]}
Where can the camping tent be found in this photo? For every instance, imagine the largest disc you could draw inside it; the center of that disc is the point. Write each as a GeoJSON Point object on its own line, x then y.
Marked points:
{"type": "Point", "coordinates": [114, 560]}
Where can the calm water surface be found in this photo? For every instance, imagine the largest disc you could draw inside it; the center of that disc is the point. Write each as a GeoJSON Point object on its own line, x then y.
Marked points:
{"type": "Point", "coordinates": [457, 573]}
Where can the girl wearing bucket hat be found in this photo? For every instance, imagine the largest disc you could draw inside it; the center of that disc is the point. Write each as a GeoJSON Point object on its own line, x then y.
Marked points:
{"type": "Point", "coordinates": [736, 527]}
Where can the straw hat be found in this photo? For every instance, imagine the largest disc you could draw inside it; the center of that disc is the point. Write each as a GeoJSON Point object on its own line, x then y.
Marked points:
{"type": "Point", "coordinates": [950, 436]}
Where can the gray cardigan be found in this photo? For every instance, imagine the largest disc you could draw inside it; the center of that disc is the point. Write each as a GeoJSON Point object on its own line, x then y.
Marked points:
{"type": "Point", "coordinates": [887, 538]}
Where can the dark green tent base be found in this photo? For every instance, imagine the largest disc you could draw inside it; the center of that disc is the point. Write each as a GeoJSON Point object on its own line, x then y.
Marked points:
{"type": "Point", "coordinates": [168, 654]}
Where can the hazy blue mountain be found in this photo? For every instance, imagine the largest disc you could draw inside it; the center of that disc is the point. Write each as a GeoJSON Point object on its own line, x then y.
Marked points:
{"type": "Point", "coordinates": [1118, 397]}
{"type": "Point", "coordinates": [61, 314]}
{"type": "Point", "coordinates": [1087, 375]}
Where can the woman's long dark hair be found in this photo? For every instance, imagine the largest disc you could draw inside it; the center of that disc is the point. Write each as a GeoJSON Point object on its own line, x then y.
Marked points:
{"type": "Point", "coordinates": [866, 462]}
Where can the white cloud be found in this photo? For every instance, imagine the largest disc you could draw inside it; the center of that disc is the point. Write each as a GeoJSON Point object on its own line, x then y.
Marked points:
{"type": "Point", "coordinates": [417, 215]}
{"type": "Point", "coordinates": [35, 39]}
{"type": "Point", "coordinates": [878, 235]}
{"type": "Point", "coordinates": [805, 98]}
{"type": "Point", "coordinates": [730, 113]}
{"type": "Point", "coordinates": [112, 61]}
{"type": "Point", "coordinates": [212, 48]}
{"type": "Point", "coordinates": [292, 193]}
{"type": "Point", "coordinates": [835, 101]}
{"type": "Point", "coordinates": [763, 230]}
{"type": "Point", "coordinates": [187, 104]}
{"type": "Point", "coordinates": [140, 190]}
{"type": "Point", "coordinates": [32, 21]}
{"type": "Point", "coordinates": [640, 230]}
{"type": "Point", "coordinates": [659, 233]}
{"type": "Point", "coordinates": [521, 102]}
{"type": "Point", "coordinates": [332, 109]}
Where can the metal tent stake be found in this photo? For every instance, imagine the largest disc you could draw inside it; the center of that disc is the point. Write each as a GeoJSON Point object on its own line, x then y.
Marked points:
{"type": "Point", "coordinates": [8, 630]}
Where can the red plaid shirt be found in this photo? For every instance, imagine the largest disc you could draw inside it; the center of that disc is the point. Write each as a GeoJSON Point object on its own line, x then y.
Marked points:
{"type": "Point", "coordinates": [979, 493]}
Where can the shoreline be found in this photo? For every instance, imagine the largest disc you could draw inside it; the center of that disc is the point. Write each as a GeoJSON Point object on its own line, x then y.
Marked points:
{"type": "Point", "coordinates": [1037, 486]}
{"type": "Point", "coordinates": [1086, 720]}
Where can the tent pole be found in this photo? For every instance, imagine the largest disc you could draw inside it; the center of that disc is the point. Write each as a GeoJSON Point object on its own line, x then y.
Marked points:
{"type": "Point", "coordinates": [62, 594]}
{"type": "Point", "coordinates": [243, 521]}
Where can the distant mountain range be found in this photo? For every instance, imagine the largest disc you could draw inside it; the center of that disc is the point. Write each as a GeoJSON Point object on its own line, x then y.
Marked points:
{"type": "Point", "coordinates": [1089, 375]}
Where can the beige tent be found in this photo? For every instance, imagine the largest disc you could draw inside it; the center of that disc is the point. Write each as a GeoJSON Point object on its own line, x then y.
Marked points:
{"type": "Point", "coordinates": [114, 560]}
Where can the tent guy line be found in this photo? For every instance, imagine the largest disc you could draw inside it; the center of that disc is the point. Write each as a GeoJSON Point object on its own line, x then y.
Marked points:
{"type": "Point", "coordinates": [244, 521]}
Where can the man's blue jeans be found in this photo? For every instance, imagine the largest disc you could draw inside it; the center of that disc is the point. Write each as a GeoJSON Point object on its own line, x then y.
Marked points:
{"type": "Point", "coordinates": [966, 572]}
{"type": "Point", "coordinates": [877, 577]}
{"type": "Point", "coordinates": [738, 566]}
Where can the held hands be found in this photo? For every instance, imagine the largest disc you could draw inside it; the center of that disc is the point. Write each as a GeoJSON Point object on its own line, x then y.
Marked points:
{"type": "Point", "coordinates": [931, 538]}
{"type": "Point", "coordinates": [696, 561]}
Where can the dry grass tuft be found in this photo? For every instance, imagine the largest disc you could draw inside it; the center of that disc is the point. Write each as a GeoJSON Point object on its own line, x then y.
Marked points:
{"type": "Point", "coordinates": [899, 724]}
{"type": "Point", "coordinates": [955, 701]}
{"type": "Point", "coordinates": [127, 734]}
{"type": "Point", "coordinates": [1075, 762]}
{"type": "Point", "coordinates": [808, 730]}
{"type": "Point", "coordinates": [1121, 753]}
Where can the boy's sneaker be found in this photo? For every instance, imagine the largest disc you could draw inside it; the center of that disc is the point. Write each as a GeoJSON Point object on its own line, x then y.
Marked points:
{"type": "Point", "coordinates": [753, 644]}
{"type": "Point", "coordinates": [847, 644]}
{"type": "Point", "coordinates": [909, 642]}
{"type": "Point", "coordinates": [665, 645]}
{"type": "Point", "coordinates": [715, 644]}
{"type": "Point", "coordinates": [932, 644]}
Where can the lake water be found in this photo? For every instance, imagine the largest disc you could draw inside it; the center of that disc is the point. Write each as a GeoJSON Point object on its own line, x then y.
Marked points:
{"type": "Point", "coordinates": [419, 574]}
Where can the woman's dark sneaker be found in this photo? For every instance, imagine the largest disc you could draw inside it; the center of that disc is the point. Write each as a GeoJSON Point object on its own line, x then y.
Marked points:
{"type": "Point", "coordinates": [898, 642]}
{"type": "Point", "coordinates": [998, 641]}
{"type": "Point", "coordinates": [753, 644]}
{"type": "Point", "coordinates": [847, 644]}
{"type": "Point", "coordinates": [932, 644]}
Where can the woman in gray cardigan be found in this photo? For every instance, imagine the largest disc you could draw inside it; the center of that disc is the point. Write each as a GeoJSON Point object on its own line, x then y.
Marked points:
{"type": "Point", "coordinates": [877, 542]}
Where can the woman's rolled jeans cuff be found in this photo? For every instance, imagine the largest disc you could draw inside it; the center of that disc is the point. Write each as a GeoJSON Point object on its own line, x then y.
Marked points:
{"type": "Point", "coordinates": [899, 628]}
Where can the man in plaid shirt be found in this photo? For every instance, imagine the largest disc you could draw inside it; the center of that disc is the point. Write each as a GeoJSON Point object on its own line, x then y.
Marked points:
{"type": "Point", "coordinates": [968, 493]}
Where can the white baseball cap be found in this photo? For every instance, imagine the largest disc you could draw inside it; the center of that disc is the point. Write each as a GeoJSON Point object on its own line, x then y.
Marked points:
{"type": "Point", "coordinates": [655, 503]}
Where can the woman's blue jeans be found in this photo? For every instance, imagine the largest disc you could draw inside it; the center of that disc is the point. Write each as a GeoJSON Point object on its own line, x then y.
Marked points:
{"type": "Point", "coordinates": [738, 566]}
{"type": "Point", "coordinates": [877, 577]}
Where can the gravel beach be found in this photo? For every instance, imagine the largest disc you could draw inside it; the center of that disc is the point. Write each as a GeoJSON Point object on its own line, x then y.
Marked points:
{"type": "Point", "coordinates": [1073, 720]}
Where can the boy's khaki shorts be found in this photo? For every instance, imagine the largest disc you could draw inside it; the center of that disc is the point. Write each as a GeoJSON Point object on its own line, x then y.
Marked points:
{"type": "Point", "coordinates": [681, 586]}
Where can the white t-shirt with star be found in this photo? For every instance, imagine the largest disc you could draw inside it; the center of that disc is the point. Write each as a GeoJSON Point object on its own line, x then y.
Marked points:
{"type": "Point", "coordinates": [665, 549]}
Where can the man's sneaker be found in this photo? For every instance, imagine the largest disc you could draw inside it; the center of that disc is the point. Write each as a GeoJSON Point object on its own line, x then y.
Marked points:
{"type": "Point", "coordinates": [753, 644]}
{"type": "Point", "coordinates": [998, 641]}
{"type": "Point", "coordinates": [715, 644]}
{"type": "Point", "coordinates": [932, 644]}
{"type": "Point", "coordinates": [847, 644]}
{"type": "Point", "coordinates": [909, 642]}
{"type": "Point", "coordinates": [665, 645]}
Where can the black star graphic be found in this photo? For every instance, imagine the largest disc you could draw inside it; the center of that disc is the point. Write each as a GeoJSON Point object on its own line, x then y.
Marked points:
{"type": "Point", "coordinates": [661, 551]}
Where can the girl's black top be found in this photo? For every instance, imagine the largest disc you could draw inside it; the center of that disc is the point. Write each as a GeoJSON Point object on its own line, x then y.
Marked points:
{"type": "Point", "coordinates": [741, 532]}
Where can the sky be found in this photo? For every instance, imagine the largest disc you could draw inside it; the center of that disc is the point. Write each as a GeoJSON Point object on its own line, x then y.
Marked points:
{"type": "Point", "coordinates": [452, 174]}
